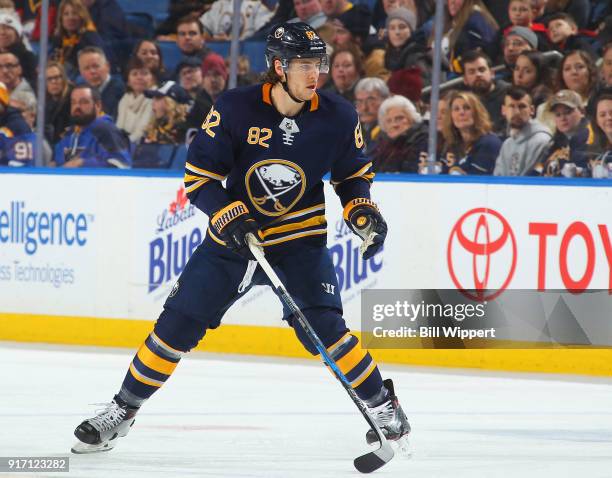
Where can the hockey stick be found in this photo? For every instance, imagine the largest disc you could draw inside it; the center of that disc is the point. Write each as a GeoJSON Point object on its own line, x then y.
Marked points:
{"type": "Point", "coordinates": [370, 461]}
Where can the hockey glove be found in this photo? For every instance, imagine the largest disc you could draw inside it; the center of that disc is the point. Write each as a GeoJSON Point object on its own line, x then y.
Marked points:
{"type": "Point", "coordinates": [363, 218]}
{"type": "Point", "coordinates": [232, 224]}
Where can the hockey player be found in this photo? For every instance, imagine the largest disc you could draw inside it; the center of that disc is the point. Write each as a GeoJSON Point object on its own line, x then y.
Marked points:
{"type": "Point", "coordinates": [273, 143]}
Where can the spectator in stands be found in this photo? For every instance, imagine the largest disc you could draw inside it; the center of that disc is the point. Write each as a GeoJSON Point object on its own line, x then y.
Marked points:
{"type": "Point", "coordinates": [480, 80]}
{"type": "Point", "coordinates": [109, 19]}
{"type": "Point", "coordinates": [516, 41]}
{"type": "Point", "coordinates": [57, 105]}
{"type": "Point", "coordinates": [441, 144]}
{"type": "Point", "coordinates": [16, 137]}
{"type": "Point", "coordinates": [170, 104]}
{"type": "Point", "coordinates": [563, 32]}
{"type": "Point", "coordinates": [537, 9]}
{"type": "Point", "coordinates": [95, 70]}
{"type": "Point", "coordinates": [600, 151]}
{"type": "Point", "coordinates": [11, 41]}
{"type": "Point", "coordinates": [404, 137]}
{"type": "Point", "coordinates": [403, 51]}
{"type": "Point", "coordinates": [94, 141]}
{"type": "Point", "coordinates": [25, 103]}
{"type": "Point", "coordinates": [528, 138]}
{"type": "Point", "coordinates": [214, 75]}
{"type": "Point", "coordinates": [11, 74]}
{"type": "Point", "coordinates": [520, 15]}
{"type": "Point", "coordinates": [244, 74]}
{"type": "Point", "coordinates": [579, 10]}
{"type": "Point", "coordinates": [346, 70]}
{"type": "Point", "coordinates": [532, 74]}
{"type": "Point", "coordinates": [471, 147]}
{"type": "Point", "coordinates": [217, 21]}
{"type": "Point", "coordinates": [150, 53]}
{"type": "Point", "coordinates": [178, 9]}
{"type": "Point", "coordinates": [190, 38]}
{"type": "Point", "coordinates": [135, 110]}
{"type": "Point", "coordinates": [423, 10]}
{"type": "Point", "coordinates": [352, 27]}
{"type": "Point", "coordinates": [334, 8]}
{"type": "Point", "coordinates": [606, 66]}
{"type": "Point", "coordinates": [309, 11]}
{"type": "Point", "coordinates": [189, 74]}
{"type": "Point", "coordinates": [369, 95]}
{"type": "Point", "coordinates": [469, 26]}
{"type": "Point", "coordinates": [74, 31]}
{"type": "Point", "coordinates": [566, 156]}
{"type": "Point", "coordinates": [578, 72]}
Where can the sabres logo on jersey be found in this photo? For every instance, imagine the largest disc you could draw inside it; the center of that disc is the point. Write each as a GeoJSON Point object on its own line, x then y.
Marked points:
{"type": "Point", "coordinates": [274, 186]}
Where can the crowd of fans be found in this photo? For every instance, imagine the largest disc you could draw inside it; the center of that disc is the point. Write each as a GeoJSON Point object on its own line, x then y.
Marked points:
{"type": "Point", "coordinates": [527, 83]}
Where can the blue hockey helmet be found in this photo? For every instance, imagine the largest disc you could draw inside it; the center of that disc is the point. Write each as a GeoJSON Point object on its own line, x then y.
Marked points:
{"type": "Point", "coordinates": [287, 41]}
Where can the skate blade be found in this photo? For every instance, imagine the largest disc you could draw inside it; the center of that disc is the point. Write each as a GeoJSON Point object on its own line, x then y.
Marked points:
{"type": "Point", "coordinates": [81, 448]}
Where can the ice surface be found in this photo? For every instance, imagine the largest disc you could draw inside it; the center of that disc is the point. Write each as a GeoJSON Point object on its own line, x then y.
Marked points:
{"type": "Point", "coordinates": [228, 416]}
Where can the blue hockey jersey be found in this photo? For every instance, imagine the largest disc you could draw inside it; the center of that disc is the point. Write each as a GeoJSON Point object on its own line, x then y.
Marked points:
{"type": "Point", "coordinates": [275, 164]}
{"type": "Point", "coordinates": [16, 139]}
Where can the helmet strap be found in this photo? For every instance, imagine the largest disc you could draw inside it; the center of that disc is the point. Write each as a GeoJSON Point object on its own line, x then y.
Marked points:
{"type": "Point", "coordinates": [285, 86]}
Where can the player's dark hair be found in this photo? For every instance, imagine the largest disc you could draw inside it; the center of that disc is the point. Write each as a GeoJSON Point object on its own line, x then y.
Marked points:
{"type": "Point", "coordinates": [270, 76]}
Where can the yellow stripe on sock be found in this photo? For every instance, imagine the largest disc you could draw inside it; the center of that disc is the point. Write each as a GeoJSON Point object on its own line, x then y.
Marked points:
{"type": "Point", "coordinates": [155, 362]}
{"type": "Point", "coordinates": [351, 359]}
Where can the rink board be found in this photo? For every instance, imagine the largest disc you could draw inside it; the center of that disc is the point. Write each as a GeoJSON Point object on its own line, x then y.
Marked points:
{"type": "Point", "coordinates": [90, 259]}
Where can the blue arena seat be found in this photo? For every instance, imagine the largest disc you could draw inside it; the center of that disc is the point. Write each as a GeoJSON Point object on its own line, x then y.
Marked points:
{"type": "Point", "coordinates": [255, 50]}
{"type": "Point", "coordinates": [180, 157]}
{"type": "Point", "coordinates": [152, 7]}
{"type": "Point", "coordinates": [171, 55]}
{"type": "Point", "coordinates": [153, 156]}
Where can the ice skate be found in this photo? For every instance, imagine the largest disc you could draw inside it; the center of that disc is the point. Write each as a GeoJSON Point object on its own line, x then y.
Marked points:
{"type": "Point", "coordinates": [101, 432]}
{"type": "Point", "coordinates": [392, 421]}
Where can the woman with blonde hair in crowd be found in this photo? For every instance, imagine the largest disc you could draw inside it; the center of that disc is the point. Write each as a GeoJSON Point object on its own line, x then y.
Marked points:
{"type": "Point", "coordinates": [74, 31]}
{"type": "Point", "coordinates": [471, 147]}
{"type": "Point", "coordinates": [170, 106]}
{"type": "Point", "coordinates": [468, 26]}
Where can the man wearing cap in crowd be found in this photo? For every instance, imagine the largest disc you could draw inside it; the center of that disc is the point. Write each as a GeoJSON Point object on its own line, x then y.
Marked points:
{"type": "Point", "coordinates": [567, 154]}
{"type": "Point", "coordinates": [11, 40]}
{"type": "Point", "coordinates": [16, 137]}
{"type": "Point", "coordinates": [516, 41]}
{"type": "Point", "coordinates": [214, 73]}
{"type": "Point", "coordinates": [354, 26]}
{"type": "Point", "coordinates": [214, 81]}
{"type": "Point", "coordinates": [309, 11]}
{"type": "Point", "coordinates": [189, 75]}
{"type": "Point", "coordinates": [93, 141]}
{"type": "Point", "coordinates": [11, 74]}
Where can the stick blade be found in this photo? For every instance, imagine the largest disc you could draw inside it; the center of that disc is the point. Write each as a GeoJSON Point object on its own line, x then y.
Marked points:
{"type": "Point", "coordinates": [374, 460]}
